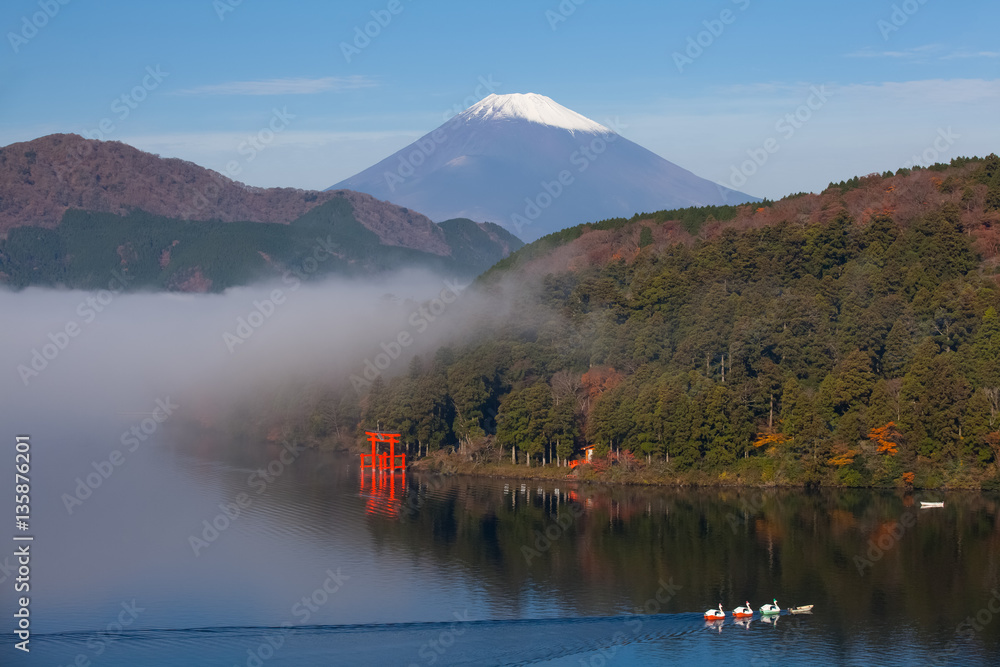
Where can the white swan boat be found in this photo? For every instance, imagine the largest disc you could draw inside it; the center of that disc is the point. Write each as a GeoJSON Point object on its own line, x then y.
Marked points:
{"type": "Point", "coordinates": [715, 614]}
{"type": "Point", "coordinates": [770, 609]}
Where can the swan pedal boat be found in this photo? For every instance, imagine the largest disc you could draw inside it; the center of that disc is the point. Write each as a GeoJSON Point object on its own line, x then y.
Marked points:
{"type": "Point", "coordinates": [743, 612]}
{"type": "Point", "coordinates": [770, 609]}
{"type": "Point", "coordinates": [715, 614]}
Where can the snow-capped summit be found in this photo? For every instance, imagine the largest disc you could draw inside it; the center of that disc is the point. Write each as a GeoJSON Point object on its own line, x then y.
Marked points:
{"type": "Point", "coordinates": [531, 107]}
{"type": "Point", "coordinates": [533, 166]}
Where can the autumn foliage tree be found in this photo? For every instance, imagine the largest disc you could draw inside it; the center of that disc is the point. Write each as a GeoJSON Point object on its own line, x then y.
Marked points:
{"type": "Point", "coordinates": [769, 440]}
{"type": "Point", "coordinates": [886, 438]}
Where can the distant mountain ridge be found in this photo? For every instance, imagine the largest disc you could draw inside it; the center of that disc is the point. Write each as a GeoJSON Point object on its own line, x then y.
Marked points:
{"type": "Point", "coordinates": [533, 166]}
{"type": "Point", "coordinates": [967, 191]}
{"type": "Point", "coordinates": [73, 209]}
{"type": "Point", "coordinates": [41, 179]}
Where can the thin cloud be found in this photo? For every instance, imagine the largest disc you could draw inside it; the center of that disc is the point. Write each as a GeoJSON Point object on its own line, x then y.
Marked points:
{"type": "Point", "coordinates": [290, 86]}
{"type": "Point", "coordinates": [948, 92]}
{"type": "Point", "coordinates": [923, 53]}
{"type": "Point", "coordinates": [920, 92]}
{"type": "Point", "coordinates": [971, 54]}
{"type": "Point", "coordinates": [741, 100]}
{"type": "Point", "coordinates": [916, 53]}
{"type": "Point", "coordinates": [765, 88]}
{"type": "Point", "coordinates": [180, 143]}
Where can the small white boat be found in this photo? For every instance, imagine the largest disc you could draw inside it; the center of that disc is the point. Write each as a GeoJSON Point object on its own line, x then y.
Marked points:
{"type": "Point", "coordinates": [770, 609]}
{"type": "Point", "coordinates": [924, 505]}
{"type": "Point", "coordinates": [715, 614]}
{"type": "Point", "coordinates": [805, 609]}
{"type": "Point", "coordinates": [743, 612]}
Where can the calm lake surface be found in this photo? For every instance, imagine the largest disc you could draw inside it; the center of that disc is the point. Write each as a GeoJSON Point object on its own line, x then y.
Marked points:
{"type": "Point", "coordinates": [187, 556]}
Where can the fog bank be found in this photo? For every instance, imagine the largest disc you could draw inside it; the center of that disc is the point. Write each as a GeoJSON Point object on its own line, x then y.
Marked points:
{"type": "Point", "coordinates": [106, 359]}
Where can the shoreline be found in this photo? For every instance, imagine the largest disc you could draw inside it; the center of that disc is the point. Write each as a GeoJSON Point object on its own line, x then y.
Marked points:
{"type": "Point", "coordinates": [453, 464]}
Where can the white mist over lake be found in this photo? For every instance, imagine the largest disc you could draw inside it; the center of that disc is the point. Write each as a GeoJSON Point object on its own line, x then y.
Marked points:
{"type": "Point", "coordinates": [97, 380]}
{"type": "Point", "coordinates": [99, 356]}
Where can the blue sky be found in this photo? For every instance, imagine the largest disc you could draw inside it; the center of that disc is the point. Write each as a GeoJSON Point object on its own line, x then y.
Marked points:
{"type": "Point", "coordinates": [707, 85]}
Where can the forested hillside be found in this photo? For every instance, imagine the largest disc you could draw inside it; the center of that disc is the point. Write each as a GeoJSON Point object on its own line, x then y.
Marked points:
{"type": "Point", "coordinates": [144, 251]}
{"type": "Point", "coordinates": [81, 213]}
{"type": "Point", "coordinates": [850, 338]}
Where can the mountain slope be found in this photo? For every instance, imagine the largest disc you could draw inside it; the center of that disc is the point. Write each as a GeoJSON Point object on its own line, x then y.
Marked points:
{"type": "Point", "coordinates": [142, 251]}
{"type": "Point", "coordinates": [533, 166]}
{"type": "Point", "coordinates": [849, 338]}
{"type": "Point", "coordinates": [969, 186]}
{"type": "Point", "coordinates": [481, 243]}
{"type": "Point", "coordinates": [73, 210]}
{"type": "Point", "coordinates": [43, 178]}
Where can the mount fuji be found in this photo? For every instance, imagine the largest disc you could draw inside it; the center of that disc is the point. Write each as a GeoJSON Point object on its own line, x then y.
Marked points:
{"type": "Point", "coordinates": [535, 167]}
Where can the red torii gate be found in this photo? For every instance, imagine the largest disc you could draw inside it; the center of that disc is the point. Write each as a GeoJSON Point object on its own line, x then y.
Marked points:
{"type": "Point", "coordinates": [381, 461]}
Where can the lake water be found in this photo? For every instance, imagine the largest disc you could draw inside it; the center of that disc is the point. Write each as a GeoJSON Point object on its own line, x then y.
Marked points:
{"type": "Point", "coordinates": [186, 555]}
